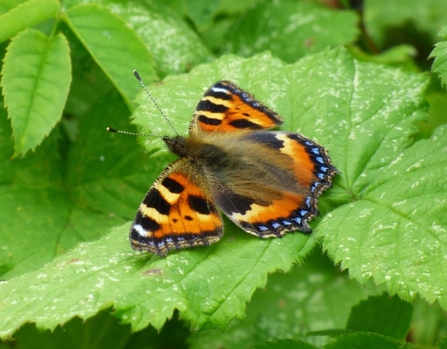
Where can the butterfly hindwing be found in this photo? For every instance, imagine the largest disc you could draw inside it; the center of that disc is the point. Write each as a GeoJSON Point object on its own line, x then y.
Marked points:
{"type": "Point", "coordinates": [177, 212]}
{"type": "Point", "coordinates": [286, 182]}
{"type": "Point", "coordinates": [227, 108]}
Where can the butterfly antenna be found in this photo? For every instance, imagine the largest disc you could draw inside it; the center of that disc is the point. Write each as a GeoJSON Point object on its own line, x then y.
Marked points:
{"type": "Point", "coordinates": [111, 129]}
{"type": "Point", "coordinates": [153, 100]}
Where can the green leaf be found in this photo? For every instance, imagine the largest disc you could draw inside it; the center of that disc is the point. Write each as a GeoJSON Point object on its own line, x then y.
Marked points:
{"type": "Point", "coordinates": [397, 216]}
{"type": "Point", "coordinates": [35, 81]}
{"type": "Point", "coordinates": [439, 53]}
{"type": "Point", "coordinates": [145, 289]}
{"type": "Point", "coordinates": [363, 341]}
{"type": "Point", "coordinates": [385, 315]}
{"type": "Point", "coordinates": [26, 15]}
{"type": "Point", "coordinates": [290, 29]}
{"type": "Point", "coordinates": [201, 12]}
{"type": "Point", "coordinates": [114, 46]}
{"type": "Point", "coordinates": [393, 230]}
{"type": "Point", "coordinates": [291, 306]}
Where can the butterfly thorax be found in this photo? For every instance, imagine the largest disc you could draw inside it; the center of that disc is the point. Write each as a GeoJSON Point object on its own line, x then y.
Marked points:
{"type": "Point", "coordinates": [196, 149]}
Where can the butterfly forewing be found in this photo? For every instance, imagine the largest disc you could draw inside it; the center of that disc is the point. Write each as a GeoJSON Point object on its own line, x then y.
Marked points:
{"type": "Point", "coordinates": [177, 212]}
{"type": "Point", "coordinates": [227, 108]}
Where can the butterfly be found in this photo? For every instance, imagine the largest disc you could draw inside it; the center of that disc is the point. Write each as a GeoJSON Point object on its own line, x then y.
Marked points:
{"type": "Point", "coordinates": [266, 182]}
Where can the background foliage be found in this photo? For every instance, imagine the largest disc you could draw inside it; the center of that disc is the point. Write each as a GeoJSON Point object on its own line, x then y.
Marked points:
{"type": "Point", "coordinates": [353, 76]}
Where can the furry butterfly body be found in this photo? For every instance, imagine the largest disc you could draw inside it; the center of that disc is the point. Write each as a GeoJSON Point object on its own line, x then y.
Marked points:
{"type": "Point", "coordinates": [267, 182]}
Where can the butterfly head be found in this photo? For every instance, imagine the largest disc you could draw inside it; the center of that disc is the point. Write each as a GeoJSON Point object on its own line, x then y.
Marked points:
{"type": "Point", "coordinates": [176, 145]}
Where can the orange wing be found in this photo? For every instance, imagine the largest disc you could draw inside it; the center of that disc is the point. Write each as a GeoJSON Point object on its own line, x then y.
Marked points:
{"type": "Point", "coordinates": [226, 108]}
{"type": "Point", "coordinates": [176, 213]}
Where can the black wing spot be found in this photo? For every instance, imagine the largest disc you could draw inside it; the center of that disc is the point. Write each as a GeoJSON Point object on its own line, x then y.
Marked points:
{"type": "Point", "coordinates": [205, 105]}
{"type": "Point", "coordinates": [198, 204]}
{"type": "Point", "coordinates": [209, 121]}
{"type": "Point", "coordinates": [243, 123]}
{"type": "Point", "coordinates": [154, 199]}
{"type": "Point", "coordinates": [267, 138]}
{"type": "Point", "coordinates": [147, 223]}
{"type": "Point", "coordinates": [172, 185]}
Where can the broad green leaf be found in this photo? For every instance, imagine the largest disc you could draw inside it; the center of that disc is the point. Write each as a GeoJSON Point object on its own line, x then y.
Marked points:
{"type": "Point", "coordinates": [291, 29]}
{"type": "Point", "coordinates": [383, 314]}
{"type": "Point", "coordinates": [26, 15]}
{"type": "Point", "coordinates": [209, 286]}
{"type": "Point", "coordinates": [404, 21]}
{"type": "Point", "coordinates": [394, 228]}
{"type": "Point", "coordinates": [363, 341]}
{"type": "Point", "coordinates": [201, 12]}
{"type": "Point", "coordinates": [35, 82]}
{"type": "Point", "coordinates": [397, 215]}
{"type": "Point", "coordinates": [291, 306]}
{"type": "Point", "coordinates": [114, 46]}
{"type": "Point", "coordinates": [439, 53]}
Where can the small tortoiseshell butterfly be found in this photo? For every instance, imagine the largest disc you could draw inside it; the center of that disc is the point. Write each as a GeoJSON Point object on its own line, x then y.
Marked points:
{"type": "Point", "coordinates": [266, 182]}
